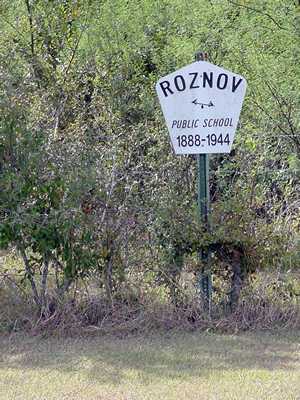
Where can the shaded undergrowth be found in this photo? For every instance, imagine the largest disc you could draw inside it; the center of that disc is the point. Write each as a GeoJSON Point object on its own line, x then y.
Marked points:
{"type": "Point", "coordinates": [265, 304]}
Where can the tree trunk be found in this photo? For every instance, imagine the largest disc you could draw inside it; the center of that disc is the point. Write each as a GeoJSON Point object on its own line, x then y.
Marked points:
{"type": "Point", "coordinates": [44, 279]}
{"type": "Point", "coordinates": [30, 277]}
{"type": "Point", "coordinates": [175, 268]}
{"type": "Point", "coordinates": [108, 279]}
{"type": "Point", "coordinates": [236, 282]}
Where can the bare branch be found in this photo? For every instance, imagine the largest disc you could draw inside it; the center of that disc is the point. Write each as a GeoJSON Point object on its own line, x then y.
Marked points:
{"type": "Point", "coordinates": [258, 11]}
{"type": "Point", "coordinates": [30, 19]}
{"type": "Point", "coordinates": [12, 26]}
{"type": "Point", "coordinates": [74, 50]}
{"type": "Point", "coordinates": [72, 57]}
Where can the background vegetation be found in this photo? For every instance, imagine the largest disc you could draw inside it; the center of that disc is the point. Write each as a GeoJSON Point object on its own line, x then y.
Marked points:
{"type": "Point", "coordinates": [92, 199]}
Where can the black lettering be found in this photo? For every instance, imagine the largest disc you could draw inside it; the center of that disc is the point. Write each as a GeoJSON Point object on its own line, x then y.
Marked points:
{"type": "Point", "coordinates": [165, 86]}
{"type": "Point", "coordinates": [235, 84]}
{"type": "Point", "coordinates": [196, 123]}
{"type": "Point", "coordinates": [207, 79]}
{"type": "Point", "coordinates": [174, 123]}
{"type": "Point", "coordinates": [205, 123]}
{"type": "Point", "coordinates": [210, 122]}
{"type": "Point", "coordinates": [195, 75]}
{"type": "Point", "coordinates": [183, 86]}
{"type": "Point", "coordinates": [219, 81]}
{"type": "Point", "coordinates": [221, 122]}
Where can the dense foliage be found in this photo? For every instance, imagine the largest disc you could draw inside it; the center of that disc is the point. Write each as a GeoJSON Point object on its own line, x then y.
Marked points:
{"type": "Point", "coordinates": [89, 184]}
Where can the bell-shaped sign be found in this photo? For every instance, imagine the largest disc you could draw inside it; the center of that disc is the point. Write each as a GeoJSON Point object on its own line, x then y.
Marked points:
{"type": "Point", "coordinates": [201, 104]}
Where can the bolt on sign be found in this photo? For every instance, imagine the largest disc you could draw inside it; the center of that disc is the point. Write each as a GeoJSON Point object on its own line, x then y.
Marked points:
{"type": "Point", "coordinates": [201, 103]}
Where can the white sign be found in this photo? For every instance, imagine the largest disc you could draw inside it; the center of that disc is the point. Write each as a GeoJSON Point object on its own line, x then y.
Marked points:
{"type": "Point", "coordinates": [201, 104]}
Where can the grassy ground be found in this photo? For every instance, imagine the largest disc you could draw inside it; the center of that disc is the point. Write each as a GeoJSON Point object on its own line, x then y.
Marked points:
{"type": "Point", "coordinates": [179, 366]}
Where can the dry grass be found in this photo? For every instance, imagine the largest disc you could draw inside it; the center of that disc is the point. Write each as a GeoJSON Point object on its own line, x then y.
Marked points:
{"type": "Point", "coordinates": [177, 366]}
{"type": "Point", "coordinates": [269, 302]}
{"type": "Point", "coordinates": [88, 314]}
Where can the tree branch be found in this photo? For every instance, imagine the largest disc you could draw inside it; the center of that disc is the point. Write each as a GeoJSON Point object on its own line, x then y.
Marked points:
{"type": "Point", "coordinates": [29, 10]}
{"type": "Point", "coordinates": [29, 273]}
{"type": "Point", "coordinates": [258, 11]}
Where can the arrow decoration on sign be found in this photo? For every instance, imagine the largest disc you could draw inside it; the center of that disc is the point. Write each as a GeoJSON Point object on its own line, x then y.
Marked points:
{"type": "Point", "coordinates": [210, 104]}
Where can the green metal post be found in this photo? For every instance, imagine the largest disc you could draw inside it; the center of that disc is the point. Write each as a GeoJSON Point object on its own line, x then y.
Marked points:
{"type": "Point", "coordinates": [205, 282]}
{"type": "Point", "coordinates": [205, 279]}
